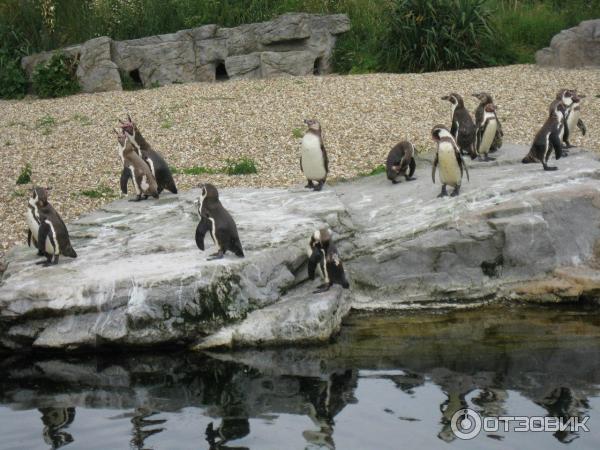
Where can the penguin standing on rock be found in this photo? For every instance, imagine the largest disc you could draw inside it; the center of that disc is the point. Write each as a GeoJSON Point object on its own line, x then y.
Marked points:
{"type": "Point", "coordinates": [548, 138]}
{"type": "Point", "coordinates": [47, 228]}
{"type": "Point", "coordinates": [159, 167]}
{"type": "Point", "coordinates": [325, 255]}
{"type": "Point", "coordinates": [143, 179]}
{"type": "Point", "coordinates": [485, 99]}
{"type": "Point", "coordinates": [313, 158]}
{"type": "Point", "coordinates": [487, 132]}
{"type": "Point", "coordinates": [572, 102]}
{"type": "Point", "coordinates": [449, 159]}
{"type": "Point", "coordinates": [401, 162]}
{"type": "Point", "coordinates": [215, 219]}
{"type": "Point", "coordinates": [463, 128]}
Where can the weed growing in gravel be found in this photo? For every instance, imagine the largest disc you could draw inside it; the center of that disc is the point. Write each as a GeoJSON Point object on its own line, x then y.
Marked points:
{"type": "Point", "coordinates": [83, 120]}
{"type": "Point", "coordinates": [18, 194]}
{"type": "Point", "coordinates": [375, 171]}
{"type": "Point", "coordinates": [8, 143]}
{"type": "Point", "coordinates": [297, 133]}
{"type": "Point", "coordinates": [25, 175]}
{"type": "Point", "coordinates": [196, 170]}
{"type": "Point", "coordinates": [242, 166]}
{"type": "Point", "coordinates": [46, 123]}
{"type": "Point", "coordinates": [99, 192]}
{"type": "Point", "coordinates": [167, 123]}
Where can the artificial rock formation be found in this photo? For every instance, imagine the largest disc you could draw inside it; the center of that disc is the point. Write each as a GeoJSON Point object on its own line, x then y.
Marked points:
{"type": "Point", "coordinates": [292, 44]}
{"type": "Point", "coordinates": [576, 47]}
{"type": "Point", "coordinates": [515, 233]}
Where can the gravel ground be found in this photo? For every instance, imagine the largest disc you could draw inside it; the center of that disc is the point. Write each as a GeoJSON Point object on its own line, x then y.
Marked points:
{"type": "Point", "coordinates": [70, 145]}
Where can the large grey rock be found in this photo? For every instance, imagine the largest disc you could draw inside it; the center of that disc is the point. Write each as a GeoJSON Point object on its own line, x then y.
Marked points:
{"type": "Point", "coordinates": [575, 47]}
{"type": "Point", "coordinates": [96, 72]}
{"type": "Point", "coordinates": [515, 233]}
{"type": "Point", "coordinates": [292, 44]}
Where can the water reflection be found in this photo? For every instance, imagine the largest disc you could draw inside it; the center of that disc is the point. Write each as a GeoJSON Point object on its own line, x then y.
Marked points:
{"type": "Point", "coordinates": [490, 360]}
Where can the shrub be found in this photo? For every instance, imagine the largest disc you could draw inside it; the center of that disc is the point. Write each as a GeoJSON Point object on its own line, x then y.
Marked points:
{"type": "Point", "coordinates": [436, 35]}
{"type": "Point", "coordinates": [12, 79]}
{"type": "Point", "coordinates": [57, 77]}
{"type": "Point", "coordinates": [243, 166]}
{"type": "Point", "coordinates": [25, 175]}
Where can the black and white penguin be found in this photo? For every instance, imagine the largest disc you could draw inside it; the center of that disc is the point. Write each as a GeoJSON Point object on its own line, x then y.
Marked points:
{"type": "Point", "coordinates": [141, 175]}
{"type": "Point", "coordinates": [463, 128]}
{"type": "Point", "coordinates": [47, 228]}
{"type": "Point", "coordinates": [487, 132]}
{"type": "Point", "coordinates": [313, 158]}
{"type": "Point", "coordinates": [449, 159]}
{"type": "Point", "coordinates": [215, 219]}
{"type": "Point", "coordinates": [325, 255]}
{"type": "Point", "coordinates": [160, 169]}
{"type": "Point", "coordinates": [572, 102]}
{"type": "Point", "coordinates": [485, 99]}
{"type": "Point", "coordinates": [548, 137]}
{"type": "Point", "coordinates": [401, 162]}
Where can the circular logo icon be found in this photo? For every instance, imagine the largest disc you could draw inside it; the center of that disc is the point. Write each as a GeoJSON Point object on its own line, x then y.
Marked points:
{"type": "Point", "coordinates": [465, 424]}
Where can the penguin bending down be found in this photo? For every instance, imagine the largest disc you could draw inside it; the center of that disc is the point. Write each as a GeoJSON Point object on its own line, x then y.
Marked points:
{"type": "Point", "coordinates": [313, 158]}
{"type": "Point", "coordinates": [326, 256]}
{"type": "Point", "coordinates": [160, 169]}
{"type": "Point", "coordinates": [215, 219]}
{"type": "Point", "coordinates": [484, 99]}
{"type": "Point", "coordinates": [463, 128]}
{"type": "Point", "coordinates": [572, 102]}
{"type": "Point", "coordinates": [141, 175]}
{"type": "Point", "coordinates": [449, 159]}
{"type": "Point", "coordinates": [47, 229]}
{"type": "Point", "coordinates": [548, 137]}
{"type": "Point", "coordinates": [487, 132]}
{"type": "Point", "coordinates": [401, 162]}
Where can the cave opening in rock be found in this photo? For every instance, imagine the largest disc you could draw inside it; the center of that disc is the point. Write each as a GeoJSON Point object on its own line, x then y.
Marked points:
{"type": "Point", "coordinates": [317, 67]}
{"type": "Point", "coordinates": [131, 80]}
{"type": "Point", "coordinates": [221, 72]}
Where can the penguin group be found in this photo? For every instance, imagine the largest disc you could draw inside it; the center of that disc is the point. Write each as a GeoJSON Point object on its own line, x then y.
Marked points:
{"type": "Point", "coordinates": [478, 138]}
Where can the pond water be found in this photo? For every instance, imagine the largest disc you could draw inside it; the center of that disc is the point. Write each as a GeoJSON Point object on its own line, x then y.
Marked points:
{"type": "Point", "coordinates": [388, 381]}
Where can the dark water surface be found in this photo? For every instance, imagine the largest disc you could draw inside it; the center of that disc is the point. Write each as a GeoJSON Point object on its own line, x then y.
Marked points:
{"type": "Point", "coordinates": [389, 381]}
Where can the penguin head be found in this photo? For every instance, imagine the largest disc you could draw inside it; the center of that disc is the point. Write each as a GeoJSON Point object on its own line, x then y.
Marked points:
{"type": "Point", "coordinates": [558, 108]}
{"type": "Point", "coordinates": [566, 96]}
{"type": "Point", "coordinates": [121, 138]}
{"type": "Point", "coordinates": [438, 132]}
{"type": "Point", "coordinates": [489, 108]}
{"type": "Point", "coordinates": [324, 235]}
{"type": "Point", "coordinates": [208, 191]}
{"type": "Point", "coordinates": [313, 125]}
{"type": "Point", "coordinates": [128, 126]}
{"type": "Point", "coordinates": [483, 97]}
{"type": "Point", "coordinates": [39, 196]}
{"type": "Point", "coordinates": [454, 98]}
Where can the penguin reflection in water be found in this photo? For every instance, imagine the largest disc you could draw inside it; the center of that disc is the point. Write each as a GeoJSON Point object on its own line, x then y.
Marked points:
{"type": "Point", "coordinates": [215, 219]}
{"type": "Point", "coordinates": [324, 255]}
{"type": "Point", "coordinates": [47, 229]}
{"type": "Point", "coordinates": [313, 158]}
{"type": "Point", "coordinates": [450, 161]}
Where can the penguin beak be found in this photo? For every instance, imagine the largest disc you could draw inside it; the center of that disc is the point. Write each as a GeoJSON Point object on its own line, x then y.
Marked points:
{"type": "Point", "coordinates": [306, 121]}
{"type": "Point", "coordinates": [446, 97]}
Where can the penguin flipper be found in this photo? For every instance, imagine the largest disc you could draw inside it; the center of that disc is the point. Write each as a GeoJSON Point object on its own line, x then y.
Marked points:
{"type": "Point", "coordinates": [461, 163]}
{"type": "Point", "coordinates": [313, 262]}
{"type": "Point", "coordinates": [125, 174]}
{"type": "Point", "coordinates": [325, 159]}
{"type": "Point", "coordinates": [203, 227]}
{"type": "Point", "coordinates": [434, 167]}
{"type": "Point", "coordinates": [581, 126]}
{"type": "Point", "coordinates": [29, 235]}
{"type": "Point", "coordinates": [412, 167]}
{"type": "Point", "coordinates": [43, 234]}
{"type": "Point", "coordinates": [556, 144]}
{"type": "Point", "coordinates": [236, 246]}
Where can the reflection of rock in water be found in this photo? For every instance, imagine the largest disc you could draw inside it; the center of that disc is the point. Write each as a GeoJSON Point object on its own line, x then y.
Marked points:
{"type": "Point", "coordinates": [566, 403]}
{"type": "Point", "coordinates": [140, 427]}
{"type": "Point", "coordinates": [55, 420]}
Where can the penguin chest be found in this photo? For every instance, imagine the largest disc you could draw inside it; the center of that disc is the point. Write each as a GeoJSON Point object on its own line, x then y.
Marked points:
{"type": "Point", "coordinates": [489, 133]}
{"type": "Point", "coordinates": [313, 164]}
{"type": "Point", "coordinates": [448, 165]}
{"type": "Point", "coordinates": [572, 119]}
{"type": "Point", "coordinates": [34, 227]}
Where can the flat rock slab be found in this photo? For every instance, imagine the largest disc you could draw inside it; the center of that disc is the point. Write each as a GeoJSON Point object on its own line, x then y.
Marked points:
{"type": "Point", "coordinates": [515, 233]}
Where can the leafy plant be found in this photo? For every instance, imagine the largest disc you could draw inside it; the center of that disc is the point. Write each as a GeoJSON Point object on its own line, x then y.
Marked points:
{"type": "Point", "coordinates": [196, 170]}
{"type": "Point", "coordinates": [297, 133]}
{"type": "Point", "coordinates": [46, 123]}
{"type": "Point", "coordinates": [12, 79]}
{"type": "Point", "coordinates": [243, 166]}
{"type": "Point", "coordinates": [83, 120]}
{"type": "Point", "coordinates": [25, 175]}
{"type": "Point", "coordinates": [100, 192]}
{"type": "Point", "coordinates": [57, 77]}
{"type": "Point", "coordinates": [375, 171]}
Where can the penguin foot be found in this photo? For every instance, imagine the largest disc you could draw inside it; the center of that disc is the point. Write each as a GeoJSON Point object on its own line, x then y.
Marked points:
{"type": "Point", "coordinates": [489, 158]}
{"type": "Point", "coordinates": [550, 168]}
{"type": "Point", "coordinates": [40, 253]}
{"type": "Point", "coordinates": [455, 192]}
{"type": "Point", "coordinates": [218, 255]}
{"type": "Point", "coordinates": [410, 178]}
{"type": "Point", "coordinates": [444, 192]}
{"type": "Point", "coordinates": [319, 186]}
{"type": "Point", "coordinates": [136, 199]}
{"type": "Point", "coordinates": [309, 185]}
{"type": "Point", "coordinates": [322, 288]}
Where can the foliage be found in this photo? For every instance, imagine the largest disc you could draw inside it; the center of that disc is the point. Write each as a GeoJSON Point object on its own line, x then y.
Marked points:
{"type": "Point", "coordinates": [100, 192]}
{"type": "Point", "coordinates": [56, 78]}
{"type": "Point", "coordinates": [242, 166]}
{"type": "Point", "coordinates": [25, 175]}
{"type": "Point", "coordinates": [375, 171]}
{"type": "Point", "coordinates": [12, 79]}
{"type": "Point", "coordinates": [195, 170]}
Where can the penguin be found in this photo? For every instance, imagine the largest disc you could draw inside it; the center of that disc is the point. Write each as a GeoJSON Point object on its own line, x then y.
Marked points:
{"type": "Point", "coordinates": [485, 98]}
{"type": "Point", "coordinates": [218, 222]}
{"type": "Point", "coordinates": [572, 102]}
{"type": "Point", "coordinates": [315, 257]}
{"type": "Point", "coordinates": [32, 217]}
{"type": "Point", "coordinates": [401, 162]}
{"type": "Point", "coordinates": [326, 255]}
{"type": "Point", "coordinates": [487, 132]}
{"type": "Point", "coordinates": [450, 160]}
{"type": "Point", "coordinates": [463, 128]}
{"type": "Point", "coordinates": [160, 169]}
{"type": "Point", "coordinates": [548, 137]}
{"type": "Point", "coordinates": [141, 175]}
{"type": "Point", "coordinates": [48, 229]}
{"type": "Point", "coordinates": [313, 159]}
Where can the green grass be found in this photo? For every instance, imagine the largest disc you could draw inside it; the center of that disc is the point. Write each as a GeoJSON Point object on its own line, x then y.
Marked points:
{"type": "Point", "coordinates": [99, 192]}
{"type": "Point", "coordinates": [243, 166]}
{"type": "Point", "coordinates": [375, 171]}
{"type": "Point", "coordinates": [83, 120]}
{"type": "Point", "coordinates": [298, 133]}
{"type": "Point", "coordinates": [25, 175]}
{"type": "Point", "coordinates": [196, 170]}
